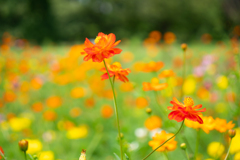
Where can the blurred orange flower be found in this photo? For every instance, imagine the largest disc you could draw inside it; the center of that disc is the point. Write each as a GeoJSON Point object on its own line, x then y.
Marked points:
{"type": "Point", "coordinates": [155, 35]}
{"type": "Point", "coordinates": [186, 110]}
{"type": "Point", "coordinates": [77, 92]}
{"type": "Point", "coordinates": [103, 47]}
{"type": "Point", "coordinates": [75, 112]}
{"type": "Point", "coordinates": [36, 83]}
{"type": "Point", "coordinates": [153, 66]}
{"type": "Point", "coordinates": [89, 102]}
{"type": "Point", "coordinates": [9, 96]}
{"type": "Point", "coordinates": [160, 138]}
{"type": "Point", "coordinates": [37, 107]}
{"type": "Point", "coordinates": [54, 102]}
{"type": "Point", "coordinates": [49, 115]}
{"type": "Point", "coordinates": [126, 87]}
{"type": "Point", "coordinates": [169, 37]}
{"type": "Point", "coordinates": [166, 74]}
{"type": "Point", "coordinates": [107, 111]}
{"type": "Point", "coordinates": [141, 102]}
{"type": "Point", "coordinates": [221, 125]}
{"type": "Point", "coordinates": [116, 70]}
{"type": "Point", "coordinates": [154, 85]}
{"type": "Point", "coordinates": [153, 122]}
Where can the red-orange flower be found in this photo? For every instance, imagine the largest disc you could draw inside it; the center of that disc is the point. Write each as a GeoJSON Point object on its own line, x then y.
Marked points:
{"type": "Point", "coordinates": [103, 47]}
{"type": "Point", "coordinates": [116, 70]}
{"type": "Point", "coordinates": [181, 111]}
{"type": "Point", "coordinates": [1, 150]}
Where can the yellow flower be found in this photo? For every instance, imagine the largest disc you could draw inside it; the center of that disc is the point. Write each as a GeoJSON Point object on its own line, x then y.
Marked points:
{"type": "Point", "coordinates": [237, 156]}
{"type": "Point", "coordinates": [77, 92]}
{"type": "Point", "coordinates": [34, 146]}
{"type": "Point", "coordinates": [215, 149]}
{"type": "Point", "coordinates": [77, 132]}
{"type": "Point", "coordinates": [235, 147]}
{"type": "Point", "coordinates": [222, 82]}
{"type": "Point", "coordinates": [189, 86]}
{"type": "Point", "coordinates": [46, 155]}
{"type": "Point", "coordinates": [18, 124]}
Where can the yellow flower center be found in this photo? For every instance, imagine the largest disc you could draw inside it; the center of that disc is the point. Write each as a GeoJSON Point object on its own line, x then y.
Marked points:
{"type": "Point", "coordinates": [188, 102]}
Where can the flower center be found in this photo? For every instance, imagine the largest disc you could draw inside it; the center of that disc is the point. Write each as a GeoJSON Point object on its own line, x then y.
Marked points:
{"type": "Point", "coordinates": [188, 102]}
{"type": "Point", "coordinates": [97, 39]}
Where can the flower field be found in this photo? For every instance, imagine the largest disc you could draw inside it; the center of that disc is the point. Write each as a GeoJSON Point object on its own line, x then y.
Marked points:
{"type": "Point", "coordinates": [121, 99]}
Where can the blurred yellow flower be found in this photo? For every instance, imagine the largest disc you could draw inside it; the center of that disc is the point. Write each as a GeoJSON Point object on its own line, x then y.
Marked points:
{"type": "Point", "coordinates": [189, 86]}
{"type": "Point", "coordinates": [235, 147]}
{"type": "Point", "coordinates": [77, 132]}
{"type": "Point", "coordinates": [77, 92]}
{"type": "Point", "coordinates": [153, 122]}
{"type": "Point", "coordinates": [222, 82]}
{"type": "Point", "coordinates": [215, 149]}
{"type": "Point", "coordinates": [18, 124]}
{"type": "Point", "coordinates": [46, 155]}
{"type": "Point", "coordinates": [237, 156]}
{"type": "Point", "coordinates": [34, 146]}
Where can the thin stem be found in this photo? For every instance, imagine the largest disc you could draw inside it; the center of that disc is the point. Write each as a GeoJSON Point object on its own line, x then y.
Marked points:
{"type": "Point", "coordinates": [25, 154]}
{"type": "Point", "coordinates": [2, 155]}
{"type": "Point", "coordinates": [228, 149]}
{"type": "Point", "coordinates": [197, 144]}
{"type": "Point", "coordinates": [184, 72]}
{"type": "Point", "coordinates": [165, 141]}
{"type": "Point", "coordinates": [186, 154]}
{"type": "Point", "coordinates": [166, 155]}
{"type": "Point", "coordinates": [116, 110]}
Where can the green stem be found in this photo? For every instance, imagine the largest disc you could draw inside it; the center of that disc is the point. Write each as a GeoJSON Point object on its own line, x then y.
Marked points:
{"type": "Point", "coordinates": [93, 144]}
{"type": "Point", "coordinates": [116, 110]}
{"type": "Point", "coordinates": [228, 149]}
{"type": "Point", "coordinates": [25, 154]}
{"type": "Point", "coordinates": [166, 155]}
{"type": "Point", "coordinates": [2, 155]}
{"type": "Point", "coordinates": [187, 154]}
{"type": "Point", "coordinates": [162, 111]}
{"type": "Point", "coordinates": [197, 144]}
{"type": "Point", "coordinates": [184, 72]}
{"type": "Point", "coordinates": [165, 141]}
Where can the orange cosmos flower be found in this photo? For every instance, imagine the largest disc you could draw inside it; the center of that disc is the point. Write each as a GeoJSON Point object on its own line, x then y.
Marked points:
{"type": "Point", "coordinates": [221, 125]}
{"type": "Point", "coordinates": [54, 102]}
{"type": "Point", "coordinates": [103, 47]}
{"type": "Point", "coordinates": [107, 111]}
{"type": "Point", "coordinates": [153, 66]}
{"type": "Point", "coordinates": [1, 150]}
{"type": "Point", "coordinates": [160, 138]}
{"type": "Point", "coordinates": [166, 74]}
{"type": "Point", "coordinates": [153, 122]}
{"type": "Point", "coordinates": [116, 70]}
{"type": "Point", "coordinates": [154, 85]}
{"type": "Point", "coordinates": [181, 111]}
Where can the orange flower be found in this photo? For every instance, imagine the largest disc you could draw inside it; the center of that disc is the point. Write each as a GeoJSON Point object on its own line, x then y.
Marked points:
{"type": "Point", "coordinates": [207, 126]}
{"type": "Point", "coordinates": [116, 70]}
{"type": "Point", "coordinates": [103, 47]}
{"type": "Point", "coordinates": [37, 107]}
{"type": "Point", "coordinates": [181, 111]}
{"type": "Point", "coordinates": [106, 111]}
{"type": "Point", "coordinates": [141, 102]}
{"type": "Point", "coordinates": [166, 74]}
{"type": "Point", "coordinates": [77, 92]}
{"type": "Point", "coordinates": [152, 66]}
{"type": "Point", "coordinates": [154, 85]}
{"type": "Point", "coordinates": [9, 96]}
{"type": "Point", "coordinates": [153, 122]}
{"type": "Point", "coordinates": [49, 115]}
{"type": "Point", "coordinates": [160, 138]}
{"type": "Point", "coordinates": [54, 102]}
{"type": "Point", "coordinates": [75, 112]}
{"type": "Point", "coordinates": [221, 125]}
{"type": "Point", "coordinates": [1, 150]}
{"type": "Point", "coordinates": [169, 37]}
{"type": "Point", "coordinates": [90, 102]}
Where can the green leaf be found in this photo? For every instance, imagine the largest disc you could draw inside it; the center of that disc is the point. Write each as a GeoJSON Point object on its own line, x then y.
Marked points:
{"type": "Point", "coordinates": [127, 158]}
{"type": "Point", "coordinates": [30, 157]}
{"type": "Point", "coordinates": [118, 158]}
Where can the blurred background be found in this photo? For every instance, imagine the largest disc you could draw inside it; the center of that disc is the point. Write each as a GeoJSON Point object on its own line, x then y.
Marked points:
{"type": "Point", "coordinates": [73, 20]}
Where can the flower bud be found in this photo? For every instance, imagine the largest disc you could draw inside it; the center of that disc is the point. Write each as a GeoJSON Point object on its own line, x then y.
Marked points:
{"type": "Point", "coordinates": [121, 135]}
{"type": "Point", "coordinates": [149, 111]}
{"type": "Point", "coordinates": [23, 145]}
{"type": "Point", "coordinates": [231, 133]}
{"type": "Point", "coordinates": [83, 155]}
{"type": "Point", "coordinates": [184, 46]}
{"type": "Point", "coordinates": [183, 146]}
